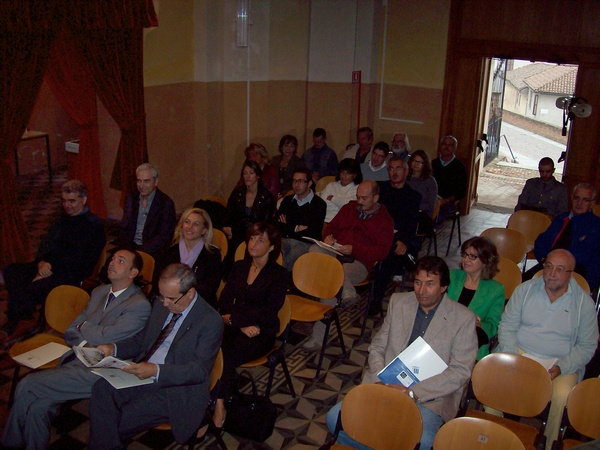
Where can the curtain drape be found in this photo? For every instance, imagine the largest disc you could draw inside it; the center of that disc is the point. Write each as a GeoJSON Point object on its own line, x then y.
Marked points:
{"type": "Point", "coordinates": [115, 59]}
{"type": "Point", "coordinates": [23, 59]}
{"type": "Point", "coordinates": [73, 86]}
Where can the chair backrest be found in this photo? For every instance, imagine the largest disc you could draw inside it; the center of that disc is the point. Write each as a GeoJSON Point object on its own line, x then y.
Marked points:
{"type": "Point", "coordinates": [530, 223]}
{"type": "Point", "coordinates": [583, 408]}
{"type": "Point", "coordinates": [510, 243]}
{"type": "Point", "coordinates": [475, 434]}
{"type": "Point", "coordinates": [509, 275]}
{"type": "Point", "coordinates": [217, 370]}
{"type": "Point", "coordinates": [596, 209]}
{"type": "Point", "coordinates": [63, 305]}
{"type": "Point", "coordinates": [240, 253]}
{"type": "Point", "coordinates": [214, 198]}
{"type": "Point", "coordinates": [101, 261]}
{"type": "Point", "coordinates": [318, 275]}
{"type": "Point", "coordinates": [381, 417]}
{"type": "Point", "coordinates": [582, 282]}
{"type": "Point", "coordinates": [324, 181]}
{"type": "Point", "coordinates": [436, 207]}
{"type": "Point", "coordinates": [147, 272]}
{"type": "Point", "coordinates": [220, 240]}
{"type": "Point", "coordinates": [512, 383]}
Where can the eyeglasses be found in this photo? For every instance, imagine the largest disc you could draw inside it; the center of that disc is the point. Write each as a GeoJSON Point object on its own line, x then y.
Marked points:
{"type": "Point", "coordinates": [576, 198]}
{"type": "Point", "coordinates": [548, 266]}
{"type": "Point", "coordinates": [471, 256]}
{"type": "Point", "coordinates": [300, 181]}
{"type": "Point", "coordinates": [163, 299]}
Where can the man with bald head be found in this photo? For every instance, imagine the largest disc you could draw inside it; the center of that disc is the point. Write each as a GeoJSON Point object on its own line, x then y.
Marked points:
{"type": "Point", "coordinates": [552, 318]}
{"type": "Point", "coordinates": [362, 231]}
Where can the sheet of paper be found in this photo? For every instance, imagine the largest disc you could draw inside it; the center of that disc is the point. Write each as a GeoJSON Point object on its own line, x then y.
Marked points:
{"type": "Point", "coordinates": [42, 355]}
{"type": "Point", "coordinates": [119, 379]}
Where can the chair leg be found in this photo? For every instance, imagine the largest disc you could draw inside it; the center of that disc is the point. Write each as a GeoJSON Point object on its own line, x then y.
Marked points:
{"type": "Point", "coordinates": [286, 372]}
{"type": "Point", "coordinates": [458, 223]}
{"type": "Point", "coordinates": [327, 322]}
{"type": "Point", "coordinates": [336, 317]}
{"type": "Point", "coordinates": [369, 300]}
{"type": "Point", "coordinates": [270, 380]}
{"type": "Point", "coordinates": [451, 234]}
{"type": "Point", "coordinates": [435, 242]}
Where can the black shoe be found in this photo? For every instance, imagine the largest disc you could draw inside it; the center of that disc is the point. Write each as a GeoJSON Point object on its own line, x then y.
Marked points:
{"type": "Point", "coordinates": [375, 310]}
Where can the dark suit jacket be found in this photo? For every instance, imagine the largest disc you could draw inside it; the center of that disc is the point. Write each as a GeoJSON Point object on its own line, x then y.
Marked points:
{"type": "Point", "coordinates": [186, 372]}
{"type": "Point", "coordinates": [160, 223]}
{"type": "Point", "coordinates": [208, 270]}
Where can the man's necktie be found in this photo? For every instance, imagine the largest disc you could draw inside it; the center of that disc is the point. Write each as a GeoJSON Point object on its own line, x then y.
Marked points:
{"type": "Point", "coordinates": [111, 297]}
{"type": "Point", "coordinates": [164, 334]}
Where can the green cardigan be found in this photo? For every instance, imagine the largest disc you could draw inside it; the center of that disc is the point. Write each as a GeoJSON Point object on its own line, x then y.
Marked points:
{"type": "Point", "coordinates": [487, 303]}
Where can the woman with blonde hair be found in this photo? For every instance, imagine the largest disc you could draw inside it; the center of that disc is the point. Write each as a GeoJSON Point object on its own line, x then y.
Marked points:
{"type": "Point", "coordinates": [193, 245]}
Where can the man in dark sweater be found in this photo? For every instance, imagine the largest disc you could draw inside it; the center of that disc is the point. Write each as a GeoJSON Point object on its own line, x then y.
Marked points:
{"type": "Point", "coordinates": [450, 175]}
{"type": "Point", "coordinates": [402, 202]}
{"type": "Point", "coordinates": [299, 215]}
{"type": "Point", "coordinates": [66, 255]}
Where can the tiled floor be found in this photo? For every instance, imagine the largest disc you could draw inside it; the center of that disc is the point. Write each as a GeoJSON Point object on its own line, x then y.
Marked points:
{"type": "Point", "coordinates": [301, 420]}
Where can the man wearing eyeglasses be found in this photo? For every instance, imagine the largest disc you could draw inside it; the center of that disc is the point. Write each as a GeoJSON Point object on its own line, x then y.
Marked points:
{"type": "Point", "coordinates": [149, 214]}
{"type": "Point", "coordinates": [177, 350]}
{"type": "Point", "coordinates": [300, 215]}
{"type": "Point", "coordinates": [553, 319]}
{"type": "Point", "coordinates": [578, 231]}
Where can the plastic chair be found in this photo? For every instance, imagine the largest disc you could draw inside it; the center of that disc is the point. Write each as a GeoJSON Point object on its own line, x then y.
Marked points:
{"type": "Point", "coordinates": [432, 234]}
{"type": "Point", "coordinates": [517, 386]}
{"type": "Point", "coordinates": [596, 209]}
{"type": "Point", "coordinates": [215, 198]}
{"type": "Point", "coordinates": [277, 354]}
{"type": "Point", "coordinates": [63, 305]}
{"type": "Point", "coordinates": [510, 243]}
{"type": "Point", "coordinates": [531, 224]}
{"type": "Point", "coordinates": [220, 240]}
{"type": "Point", "coordinates": [215, 377]}
{"type": "Point", "coordinates": [509, 275]}
{"type": "Point", "coordinates": [319, 276]}
{"type": "Point", "coordinates": [475, 434]}
{"type": "Point", "coordinates": [324, 181]}
{"type": "Point", "coordinates": [380, 417]}
{"type": "Point", "coordinates": [147, 272]}
{"type": "Point", "coordinates": [93, 280]}
{"type": "Point", "coordinates": [240, 253]}
{"type": "Point", "coordinates": [582, 282]}
{"type": "Point", "coordinates": [582, 412]}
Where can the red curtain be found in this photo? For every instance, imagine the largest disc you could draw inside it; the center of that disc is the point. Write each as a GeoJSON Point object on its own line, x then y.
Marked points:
{"type": "Point", "coordinates": [115, 58]}
{"type": "Point", "coordinates": [73, 86]}
{"type": "Point", "coordinates": [23, 58]}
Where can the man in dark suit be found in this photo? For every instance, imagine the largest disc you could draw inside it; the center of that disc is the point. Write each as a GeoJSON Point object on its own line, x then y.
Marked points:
{"type": "Point", "coordinates": [149, 215]}
{"type": "Point", "coordinates": [177, 349]}
{"type": "Point", "coordinates": [114, 312]}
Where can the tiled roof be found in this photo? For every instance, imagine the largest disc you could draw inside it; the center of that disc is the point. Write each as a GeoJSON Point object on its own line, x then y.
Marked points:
{"type": "Point", "coordinates": [543, 77]}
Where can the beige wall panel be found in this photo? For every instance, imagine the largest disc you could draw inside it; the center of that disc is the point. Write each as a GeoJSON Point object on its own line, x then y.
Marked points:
{"type": "Point", "coordinates": [288, 49]}
{"type": "Point", "coordinates": [287, 113]}
{"type": "Point", "coordinates": [169, 49]}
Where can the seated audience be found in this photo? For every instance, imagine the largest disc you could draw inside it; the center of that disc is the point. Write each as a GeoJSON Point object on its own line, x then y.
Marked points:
{"type": "Point", "coordinates": [299, 215]}
{"type": "Point", "coordinates": [286, 162]}
{"type": "Point", "coordinates": [578, 231]}
{"type": "Point", "coordinates": [320, 159]}
{"type": "Point", "coordinates": [247, 204]}
{"type": "Point", "coordinates": [448, 327]}
{"type": "Point", "coordinates": [337, 193]}
{"type": "Point", "coordinates": [402, 202]}
{"type": "Point", "coordinates": [149, 214]}
{"type": "Point", "coordinates": [552, 318]}
{"type": "Point", "coordinates": [544, 194]}
{"type": "Point", "coordinates": [66, 255]}
{"type": "Point", "coordinates": [177, 349]}
{"type": "Point", "coordinates": [450, 175]}
{"type": "Point", "coordinates": [270, 175]}
{"type": "Point", "coordinates": [473, 286]}
{"type": "Point", "coordinates": [115, 311]}
{"type": "Point", "coordinates": [193, 246]}
{"type": "Point", "coordinates": [361, 151]}
{"type": "Point", "coordinates": [249, 305]}
{"type": "Point", "coordinates": [400, 145]}
{"type": "Point", "coordinates": [362, 232]}
{"type": "Point", "coordinates": [375, 169]}
{"type": "Point", "coordinates": [421, 180]}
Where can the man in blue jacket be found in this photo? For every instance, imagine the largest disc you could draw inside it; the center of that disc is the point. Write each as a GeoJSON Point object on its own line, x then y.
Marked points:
{"type": "Point", "coordinates": [578, 231]}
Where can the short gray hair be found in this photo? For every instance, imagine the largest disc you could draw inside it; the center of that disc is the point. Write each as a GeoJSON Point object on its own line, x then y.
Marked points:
{"type": "Point", "coordinates": [589, 186]}
{"type": "Point", "coordinates": [182, 273]}
{"type": "Point", "coordinates": [148, 166]}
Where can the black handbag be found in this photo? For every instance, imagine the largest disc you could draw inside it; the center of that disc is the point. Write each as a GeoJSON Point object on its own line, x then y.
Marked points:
{"type": "Point", "coordinates": [251, 416]}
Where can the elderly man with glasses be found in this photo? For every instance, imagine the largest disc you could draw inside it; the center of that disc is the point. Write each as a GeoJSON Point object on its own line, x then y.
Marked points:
{"type": "Point", "coordinates": [553, 319]}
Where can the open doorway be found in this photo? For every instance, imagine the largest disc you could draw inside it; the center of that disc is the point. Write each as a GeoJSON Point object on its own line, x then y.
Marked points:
{"type": "Point", "coordinates": [524, 125]}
